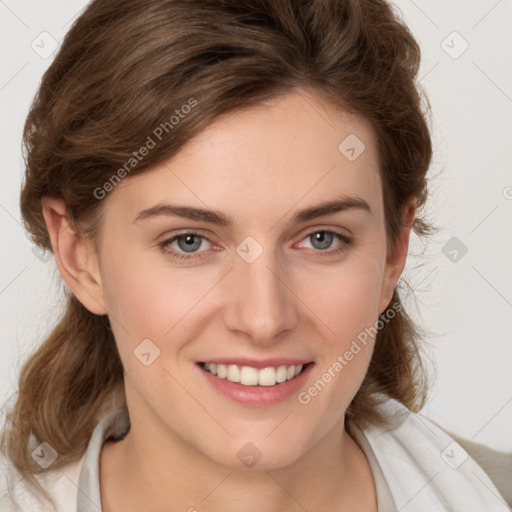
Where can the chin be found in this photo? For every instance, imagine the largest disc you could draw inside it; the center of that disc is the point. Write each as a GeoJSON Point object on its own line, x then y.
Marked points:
{"type": "Point", "coordinates": [257, 455]}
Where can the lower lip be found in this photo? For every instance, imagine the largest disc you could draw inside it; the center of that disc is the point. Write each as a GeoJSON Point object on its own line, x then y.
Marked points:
{"type": "Point", "coordinates": [258, 395]}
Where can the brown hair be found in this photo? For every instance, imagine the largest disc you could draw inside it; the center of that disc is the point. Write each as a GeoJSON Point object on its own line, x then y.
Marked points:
{"type": "Point", "coordinates": [100, 100]}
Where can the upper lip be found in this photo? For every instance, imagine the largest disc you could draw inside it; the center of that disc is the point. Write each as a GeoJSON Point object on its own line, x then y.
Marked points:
{"type": "Point", "coordinates": [258, 363]}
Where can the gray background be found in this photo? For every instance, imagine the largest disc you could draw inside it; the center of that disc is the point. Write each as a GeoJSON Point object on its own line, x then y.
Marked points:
{"type": "Point", "coordinates": [465, 300]}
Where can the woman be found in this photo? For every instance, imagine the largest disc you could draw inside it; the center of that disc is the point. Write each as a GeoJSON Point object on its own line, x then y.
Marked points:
{"type": "Point", "coordinates": [228, 190]}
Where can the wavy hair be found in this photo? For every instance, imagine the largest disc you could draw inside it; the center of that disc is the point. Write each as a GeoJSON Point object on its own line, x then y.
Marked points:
{"type": "Point", "coordinates": [100, 100]}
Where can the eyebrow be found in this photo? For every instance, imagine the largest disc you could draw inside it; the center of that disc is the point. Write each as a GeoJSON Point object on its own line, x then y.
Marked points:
{"type": "Point", "coordinates": [219, 218]}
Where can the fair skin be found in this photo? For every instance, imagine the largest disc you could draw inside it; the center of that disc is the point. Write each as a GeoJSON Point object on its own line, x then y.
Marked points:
{"type": "Point", "coordinates": [259, 166]}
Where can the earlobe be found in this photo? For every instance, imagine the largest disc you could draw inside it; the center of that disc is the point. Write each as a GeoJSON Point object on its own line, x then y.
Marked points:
{"type": "Point", "coordinates": [396, 261]}
{"type": "Point", "coordinates": [75, 256]}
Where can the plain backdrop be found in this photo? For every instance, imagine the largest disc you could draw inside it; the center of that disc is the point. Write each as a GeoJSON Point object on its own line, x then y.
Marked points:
{"type": "Point", "coordinates": [462, 279]}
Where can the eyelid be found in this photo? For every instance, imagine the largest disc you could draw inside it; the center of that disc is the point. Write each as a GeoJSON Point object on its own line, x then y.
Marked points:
{"type": "Point", "coordinates": [172, 235]}
{"type": "Point", "coordinates": [332, 229]}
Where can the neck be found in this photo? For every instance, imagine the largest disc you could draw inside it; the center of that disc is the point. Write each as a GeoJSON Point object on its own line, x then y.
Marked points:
{"type": "Point", "coordinates": [160, 472]}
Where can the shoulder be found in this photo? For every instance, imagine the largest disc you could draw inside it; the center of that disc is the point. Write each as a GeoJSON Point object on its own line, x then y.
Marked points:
{"type": "Point", "coordinates": [415, 453]}
{"type": "Point", "coordinates": [496, 464]}
{"type": "Point", "coordinates": [16, 495]}
{"type": "Point", "coordinates": [67, 484]}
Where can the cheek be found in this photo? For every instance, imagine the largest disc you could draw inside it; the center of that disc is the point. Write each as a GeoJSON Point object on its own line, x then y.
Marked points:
{"type": "Point", "coordinates": [147, 299]}
{"type": "Point", "coordinates": [347, 304]}
{"type": "Point", "coordinates": [135, 300]}
{"type": "Point", "coordinates": [346, 299]}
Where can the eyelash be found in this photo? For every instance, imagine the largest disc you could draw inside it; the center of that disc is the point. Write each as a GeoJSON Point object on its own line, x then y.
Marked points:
{"type": "Point", "coordinates": [346, 242]}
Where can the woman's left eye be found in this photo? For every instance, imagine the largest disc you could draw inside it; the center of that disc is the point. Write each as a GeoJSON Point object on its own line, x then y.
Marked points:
{"type": "Point", "coordinates": [322, 240]}
{"type": "Point", "coordinates": [185, 246]}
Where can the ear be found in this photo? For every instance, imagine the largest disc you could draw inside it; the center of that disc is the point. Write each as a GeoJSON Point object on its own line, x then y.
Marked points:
{"type": "Point", "coordinates": [395, 262]}
{"type": "Point", "coordinates": [75, 256]}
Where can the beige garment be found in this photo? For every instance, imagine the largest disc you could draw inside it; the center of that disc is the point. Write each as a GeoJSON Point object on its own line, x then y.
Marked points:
{"type": "Point", "coordinates": [406, 462]}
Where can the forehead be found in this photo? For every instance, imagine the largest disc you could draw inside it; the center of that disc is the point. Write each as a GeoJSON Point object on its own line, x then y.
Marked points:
{"type": "Point", "coordinates": [264, 160]}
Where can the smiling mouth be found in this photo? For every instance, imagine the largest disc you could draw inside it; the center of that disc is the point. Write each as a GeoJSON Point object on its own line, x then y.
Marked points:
{"type": "Point", "coordinates": [249, 376]}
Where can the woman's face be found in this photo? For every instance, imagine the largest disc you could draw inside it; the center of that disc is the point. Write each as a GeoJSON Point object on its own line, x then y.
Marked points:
{"type": "Point", "coordinates": [272, 285]}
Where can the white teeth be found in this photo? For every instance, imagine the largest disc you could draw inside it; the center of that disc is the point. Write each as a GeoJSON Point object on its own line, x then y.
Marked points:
{"type": "Point", "coordinates": [211, 367]}
{"type": "Point", "coordinates": [233, 374]}
{"type": "Point", "coordinates": [222, 371]}
{"type": "Point", "coordinates": [267, 377]}
{"type": "Point", "coordinates": [281, 373]}
{"type": "Point", "coordinates": [249, 376]}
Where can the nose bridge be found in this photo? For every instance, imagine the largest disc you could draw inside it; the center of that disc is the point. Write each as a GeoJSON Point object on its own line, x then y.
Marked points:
{"type": "Point", "coordinates": [262, 305]}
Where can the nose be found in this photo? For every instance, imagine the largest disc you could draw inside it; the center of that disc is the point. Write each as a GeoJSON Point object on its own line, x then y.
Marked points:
{"type": "Point", "coordinates": [262, 304]}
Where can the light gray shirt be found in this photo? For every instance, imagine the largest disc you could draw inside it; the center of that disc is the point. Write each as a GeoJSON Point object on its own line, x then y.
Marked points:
{"type": "Point", "coordinates": [116, 425]}
{"type": "Point", "coordinates": [416, 466]}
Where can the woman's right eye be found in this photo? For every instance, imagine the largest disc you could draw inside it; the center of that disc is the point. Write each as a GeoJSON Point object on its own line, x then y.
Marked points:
{"type": "Point", "coordinates": [183, 246]}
